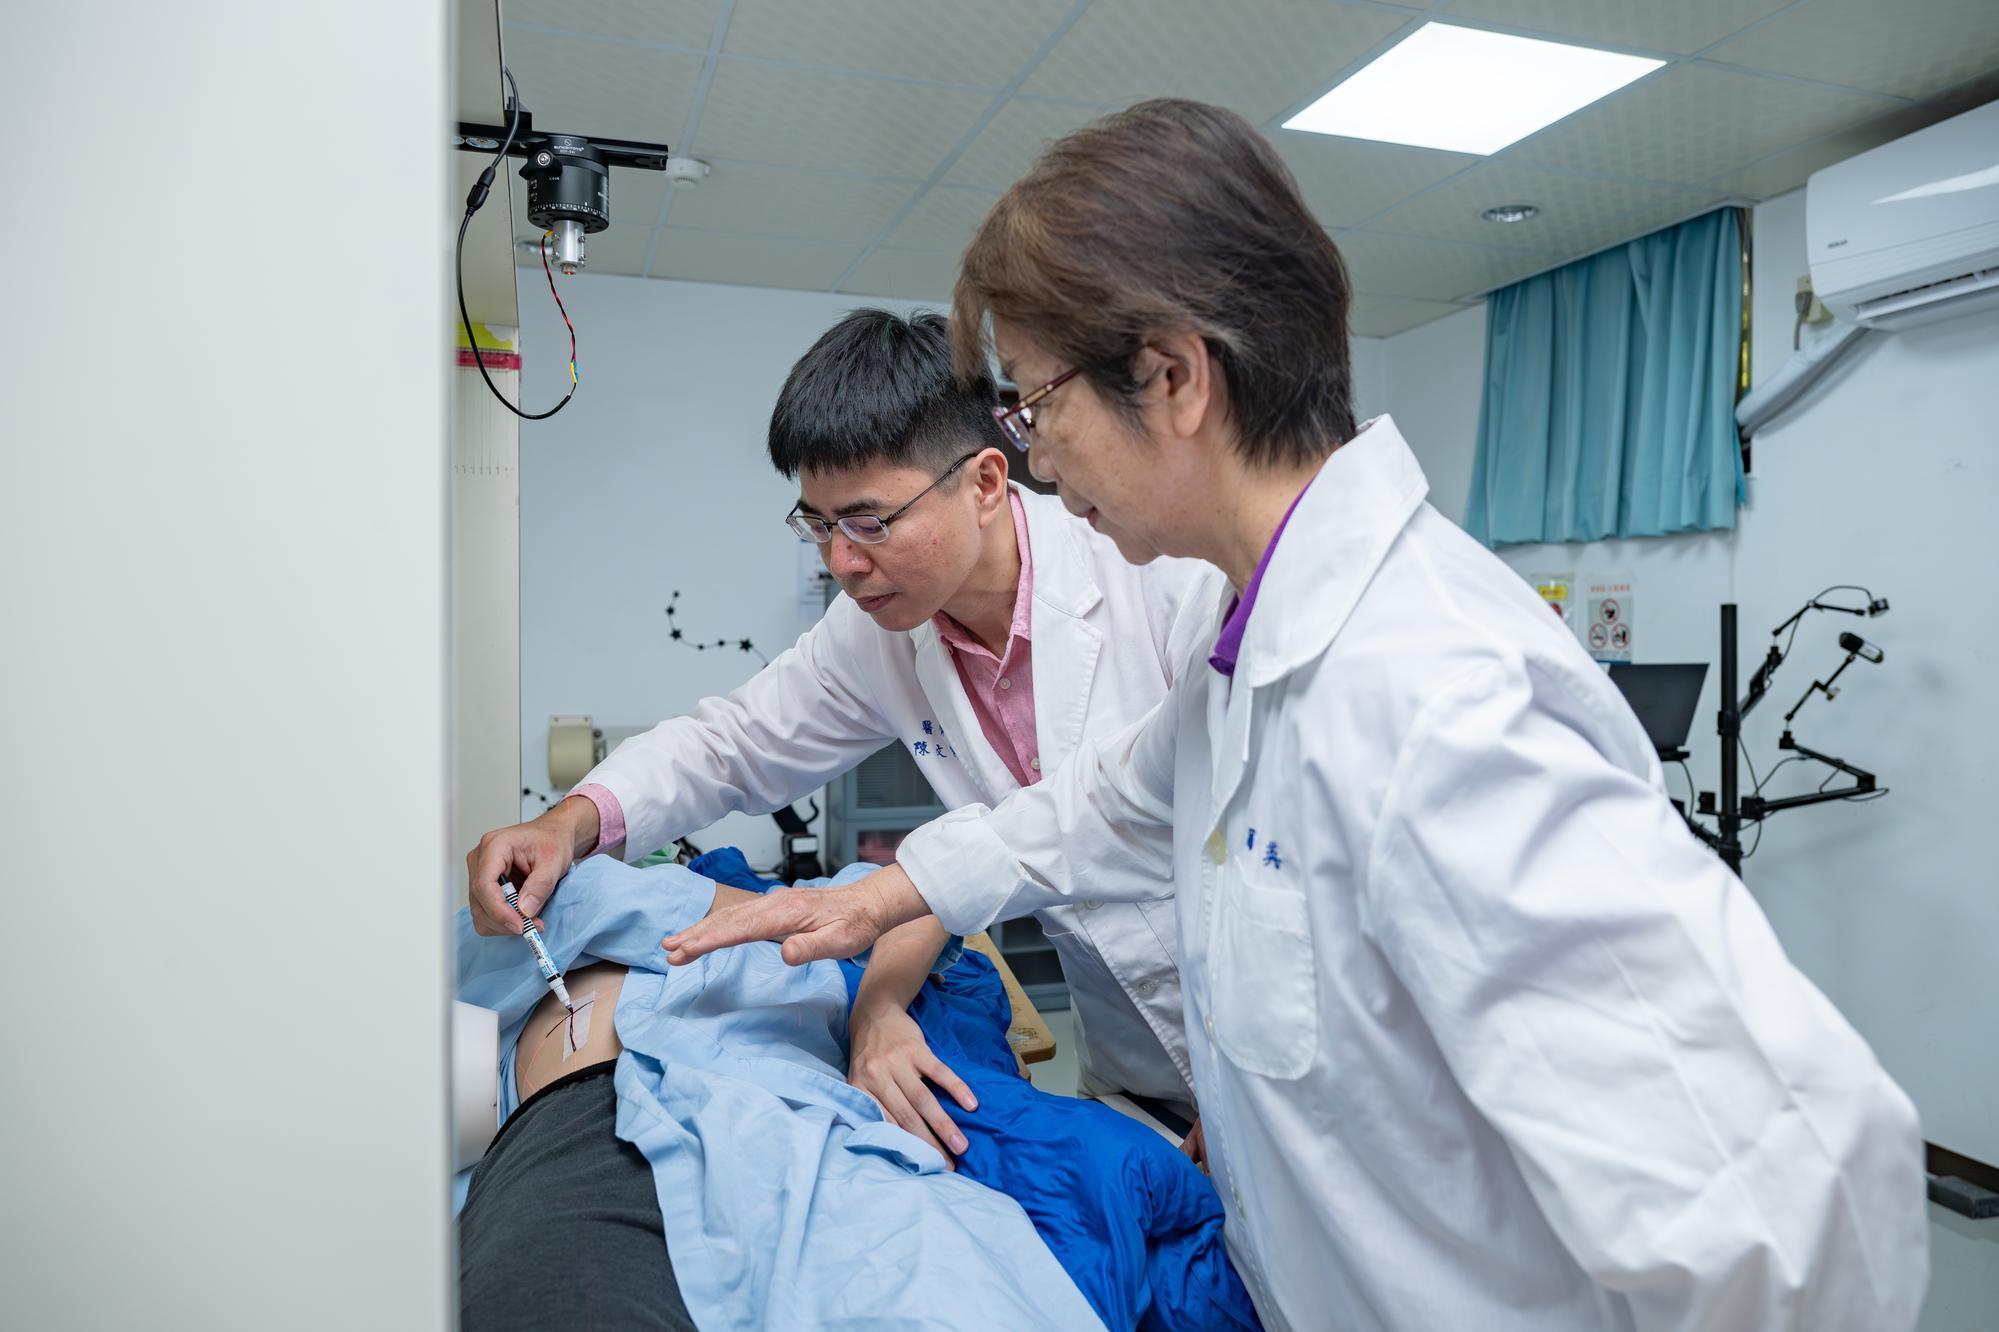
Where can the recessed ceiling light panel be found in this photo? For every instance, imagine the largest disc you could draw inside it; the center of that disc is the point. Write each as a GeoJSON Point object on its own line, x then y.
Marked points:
{"type": "Point", "coordinates": [1510, 213]}
{"type": "Point", "coordinates": [1467, 90]}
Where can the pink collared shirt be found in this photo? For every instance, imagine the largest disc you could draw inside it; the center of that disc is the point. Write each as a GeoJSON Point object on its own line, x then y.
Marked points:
{"type": "Point", "coordinates": [1001, 690]}
{"type": "Point", "coordinates": [610, 817]}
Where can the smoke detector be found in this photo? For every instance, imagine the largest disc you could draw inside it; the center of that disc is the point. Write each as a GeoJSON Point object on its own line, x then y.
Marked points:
{"type": "Point", "coordinates": [686, 172]}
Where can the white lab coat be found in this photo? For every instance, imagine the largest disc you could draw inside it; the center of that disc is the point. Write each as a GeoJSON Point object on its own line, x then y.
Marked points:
{"type": "Point", "coordinates": [1107, 635]}
{"type": "Point", "coordinates": [1483, 1037]}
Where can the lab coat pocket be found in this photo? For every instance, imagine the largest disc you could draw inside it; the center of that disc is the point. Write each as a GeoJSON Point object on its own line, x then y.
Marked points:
{"type": "Point", "coordinates": [1266, 1009]}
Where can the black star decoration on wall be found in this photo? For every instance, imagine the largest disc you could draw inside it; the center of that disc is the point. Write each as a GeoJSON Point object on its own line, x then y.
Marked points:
{"type": "Point", "coordinates": [676, 634]}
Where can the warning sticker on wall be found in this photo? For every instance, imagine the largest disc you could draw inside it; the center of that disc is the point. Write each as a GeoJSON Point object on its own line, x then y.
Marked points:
{"type": "Point", "coordinates": [1611, 617]}
{"type": "Point", "coordinates": [1559, 591]}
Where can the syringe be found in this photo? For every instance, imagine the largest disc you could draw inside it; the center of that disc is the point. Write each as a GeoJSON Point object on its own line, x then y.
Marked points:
{"type": "Point", "coordinates": [541, 957]}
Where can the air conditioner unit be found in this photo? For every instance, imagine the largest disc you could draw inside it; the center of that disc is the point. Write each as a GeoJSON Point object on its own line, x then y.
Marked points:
{"type": "Point", "coordinates": [1908, 232]}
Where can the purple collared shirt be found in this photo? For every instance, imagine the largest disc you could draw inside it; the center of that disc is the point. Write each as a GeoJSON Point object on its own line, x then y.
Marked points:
{"type": "Point", "coordinates": [1229, 646]}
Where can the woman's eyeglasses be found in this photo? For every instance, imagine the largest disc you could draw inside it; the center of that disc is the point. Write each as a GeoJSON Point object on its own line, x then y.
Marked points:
{"type": "Point", "coordinates": [1017, 421]}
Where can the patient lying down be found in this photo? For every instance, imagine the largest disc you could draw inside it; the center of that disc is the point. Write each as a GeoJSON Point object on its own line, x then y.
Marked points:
{"type": "Point", "coordinates": [692, 1155]}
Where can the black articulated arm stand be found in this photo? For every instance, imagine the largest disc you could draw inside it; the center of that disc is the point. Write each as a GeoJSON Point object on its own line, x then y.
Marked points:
{"type": "Point", "coordinates": [1735, 810]}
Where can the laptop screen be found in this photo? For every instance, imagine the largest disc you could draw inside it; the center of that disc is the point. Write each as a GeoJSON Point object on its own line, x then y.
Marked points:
{"type": "Point", "coordinates": [1664, 697]}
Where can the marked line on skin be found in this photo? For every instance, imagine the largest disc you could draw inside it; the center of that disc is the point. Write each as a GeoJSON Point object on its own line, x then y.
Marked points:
{"type": "Point", "coordinates": [578, 1023]}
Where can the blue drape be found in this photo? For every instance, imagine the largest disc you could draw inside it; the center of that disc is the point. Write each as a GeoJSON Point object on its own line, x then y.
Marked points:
{"type": "Point", "coordinates": [1609, 405]}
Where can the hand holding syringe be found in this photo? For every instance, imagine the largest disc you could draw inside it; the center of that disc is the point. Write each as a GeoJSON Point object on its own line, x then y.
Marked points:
{"type": "Point", "coordinates": [549, 972]}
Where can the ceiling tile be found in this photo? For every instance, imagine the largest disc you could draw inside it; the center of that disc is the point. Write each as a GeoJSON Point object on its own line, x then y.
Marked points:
{"type": "Point", "coordinates": [676, 22]}
{"type": "Point", "coordinates": [615, 92]}
{"type": "Point", "coordinates": [943, 219]}
{"type": "Point", "coordinates": [1014, 138]}
{"type": "Point", "coordinates": [1256, 57]}
{"type": "Point", "coordinates": [1432, 270]}
{"type": "Point", "coordinates": [983, 45]}
{"type": "Point", "coordinates": [1579, 214]}
{"type": "Point", "coordinates": [1385, 316]}
{"type": "Point", "coordinates": [752, 261]}
{"type": "Point", "coordinates": [1788, 169]}
{"type": "Point", "coordinates": [1348, 181]}
{"type": "Point", "coordinates": [777, 202]}
{"type": "Point", "coordinates": [1910, 48]}
{"type": "Point", "coordinates": [913, 275]}
{"type": "Point", "coordinates": [1681, 26]}
{"type": "Point", "coordinates": [1693, 122]}
{"type": "Point", "coordinates": [765, 113]}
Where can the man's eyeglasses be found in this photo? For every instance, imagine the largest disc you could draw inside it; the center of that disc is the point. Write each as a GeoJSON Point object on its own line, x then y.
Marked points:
{"type": "Point", "coordinates": [869, 529]}
{"type": "Point", "coordinates": [1017, 421]}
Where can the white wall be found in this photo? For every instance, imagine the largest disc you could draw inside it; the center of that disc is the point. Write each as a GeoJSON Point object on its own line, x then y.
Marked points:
{"type": "Point", "coordinates": [1370, 376]}
{"type": "Point", "coordinates": [1888, 478]}
{"type": "Point", "coordinates": [222, 699]}
{"type": "Point", "coordinates": [654, 479]}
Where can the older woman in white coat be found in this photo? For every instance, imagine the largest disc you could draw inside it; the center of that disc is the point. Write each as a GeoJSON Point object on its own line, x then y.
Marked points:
{"type": "Point", "coordinates": [1483, 1038]}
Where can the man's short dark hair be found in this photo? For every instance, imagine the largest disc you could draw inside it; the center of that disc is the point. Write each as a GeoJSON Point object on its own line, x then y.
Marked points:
{"type": "Point", "coordinates": [878, 388]}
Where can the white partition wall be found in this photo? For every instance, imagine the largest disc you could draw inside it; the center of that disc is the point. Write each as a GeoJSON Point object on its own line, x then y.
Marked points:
{"type": "Point", "coordinates": [485, 612]}
{"type": "Point", "coordinates": [222, 666]}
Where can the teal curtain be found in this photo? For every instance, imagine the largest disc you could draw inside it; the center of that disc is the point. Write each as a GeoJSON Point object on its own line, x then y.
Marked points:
{"type": "Point", "coordinates": [1609, 406]}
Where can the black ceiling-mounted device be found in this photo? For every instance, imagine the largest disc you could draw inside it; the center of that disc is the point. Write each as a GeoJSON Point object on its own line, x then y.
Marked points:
{"type": "Point", "coordinates": [569, 197]}
{"type": "Point", "coordinates": [568, 176]}
{"type": "Point", "coordinates": [569, 193]}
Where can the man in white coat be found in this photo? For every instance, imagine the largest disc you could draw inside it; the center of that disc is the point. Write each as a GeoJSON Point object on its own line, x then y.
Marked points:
{"type": "Point", "coordinates": [985, 630]}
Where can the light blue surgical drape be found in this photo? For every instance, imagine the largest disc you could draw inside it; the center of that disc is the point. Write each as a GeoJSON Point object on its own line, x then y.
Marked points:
{"type": "Point", "coordinates": [1610, 384]}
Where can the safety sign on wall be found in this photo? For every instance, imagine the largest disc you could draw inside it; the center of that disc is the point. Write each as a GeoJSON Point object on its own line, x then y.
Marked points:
{"type": "Point", "coordinates": [1607, 631]}
{"type": "Point", "coordinates": [1558, 590]}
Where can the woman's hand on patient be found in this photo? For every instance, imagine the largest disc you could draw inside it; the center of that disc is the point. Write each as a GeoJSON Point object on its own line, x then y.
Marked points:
{"type": "Point", "coordinates": [893, 1063]}
{"type": "Point", "coordinates": [814, 923]}
{"type": "Point", "coordinates": [534, 856]}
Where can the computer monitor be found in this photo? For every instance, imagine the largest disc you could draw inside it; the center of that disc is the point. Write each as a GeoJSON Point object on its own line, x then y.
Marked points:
{"type": "Point", "coordinates": [1664, 697]}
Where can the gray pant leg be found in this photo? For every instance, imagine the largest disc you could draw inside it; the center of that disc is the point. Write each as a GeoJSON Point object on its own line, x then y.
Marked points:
{"type": "Point", "coordinates": [561, 1227]}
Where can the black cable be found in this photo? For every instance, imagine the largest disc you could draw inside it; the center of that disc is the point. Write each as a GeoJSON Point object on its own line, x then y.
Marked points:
{"type": "Point", "coordinates": [1757, 790]}
{"type": "Point", "coordinates": [513, 120]}
{"type": "Point", "coordinates": [1798, 620]}
{"type": "Point", "coordinates": [1785, 655]}
{"type": "Point", "coordinates": [1688, 773]}
{"type": "Point", "coordinates": [1847, 587]}
{"type": "Point", "coordinates": [1756, 787]}
{"type": "Point", "coordinates": [473, 201]}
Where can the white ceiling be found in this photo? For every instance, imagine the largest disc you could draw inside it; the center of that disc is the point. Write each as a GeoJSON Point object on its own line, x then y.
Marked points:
{"type": "Point", "coordinates": [857, 143]}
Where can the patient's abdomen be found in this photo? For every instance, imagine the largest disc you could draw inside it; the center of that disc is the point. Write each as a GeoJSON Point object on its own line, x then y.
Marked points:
{"type": "Point", "coordinates": [546, 1050]}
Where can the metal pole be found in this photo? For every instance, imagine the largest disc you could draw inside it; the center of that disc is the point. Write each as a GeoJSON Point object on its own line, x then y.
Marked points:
{"type": "Point", "coordinates": [1729, 727]}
